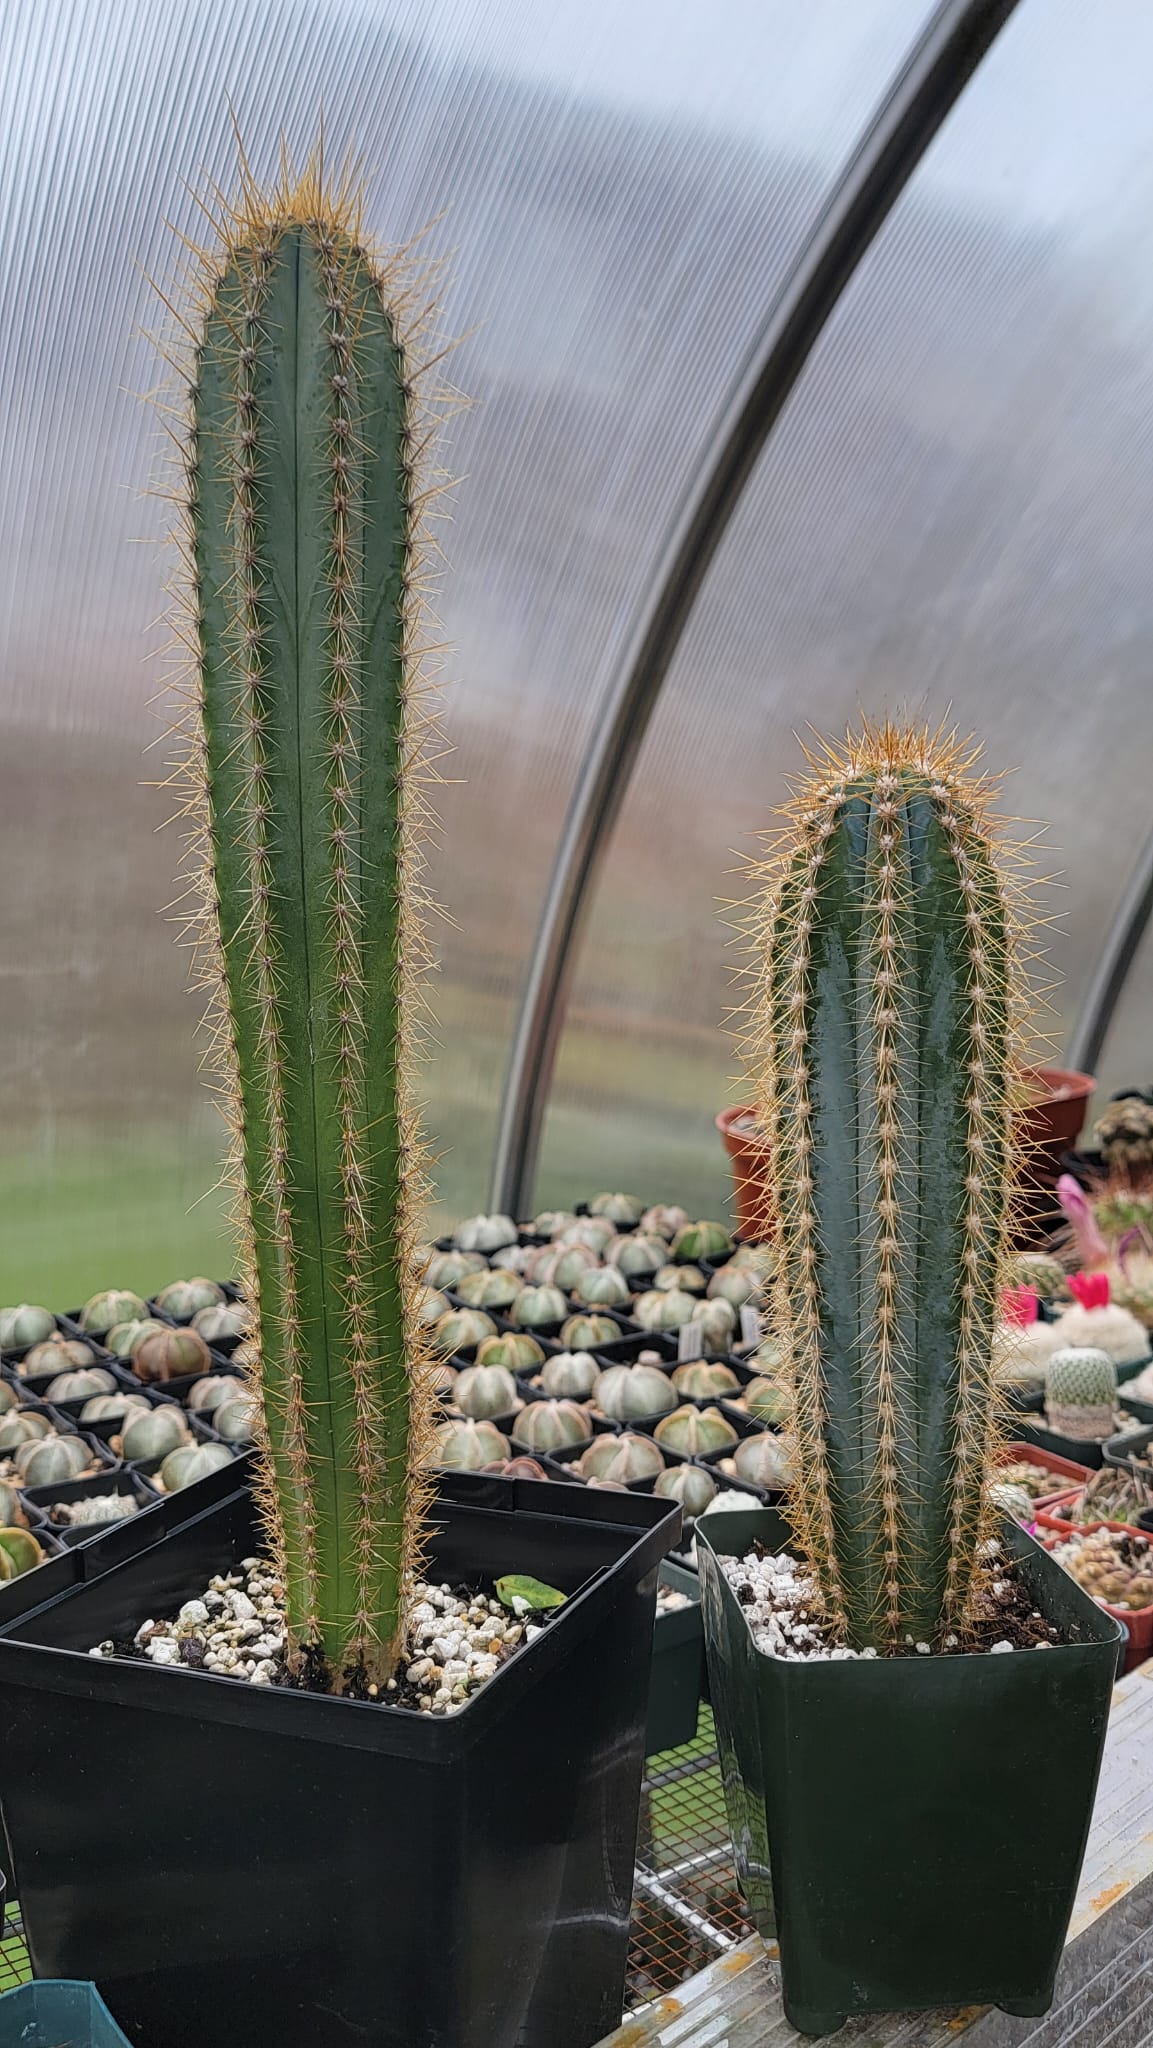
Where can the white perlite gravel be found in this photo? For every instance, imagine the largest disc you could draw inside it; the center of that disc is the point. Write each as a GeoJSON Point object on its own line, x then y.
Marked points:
{"type": "Point", "coordinates": [100, 1507]}
{"type": "Point", "coordinates": [782, 1607]}
{"type": "Point", "coordinates": [669, 1601]}
{"type": "Point", "coordinates": [237, 1630]}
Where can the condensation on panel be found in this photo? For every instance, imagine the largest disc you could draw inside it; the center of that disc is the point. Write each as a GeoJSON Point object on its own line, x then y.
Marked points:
{"type": "Point", "coordinates": [954, 516]}
{"type": "Point", "coordinates": [614, 189]}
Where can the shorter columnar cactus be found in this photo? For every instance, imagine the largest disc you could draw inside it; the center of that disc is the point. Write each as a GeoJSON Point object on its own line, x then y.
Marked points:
{"type": "Point", "coordinates": [664, 1220]}
{"type": "Point", "coordinates": [631, 1393]}
{"type": "Point", "coordinates": [20, 1429]}
{"type": "Point", "coordinates": [190, 1462]}
{"type": "Point", "coordinates": [602, 1287]}
{"type": "Point", "coordinates": [594, 1231]}
{"type": "Point", "coordinates": [183, 1299]}
{"type": "Point", "coordinates": [55, 1355]}
{"type": "Point", "coordinates": [53, 1461]}
{"type": "Point", "coordinates": [697, 1380]}
{"type": "Point", "coordinates": [153, 1435]}
{"type": "Point", "coordinates": [701, 1241]}
{"type": "Point", "coordinates": [587, 1332]}
{"type": "Point", "coordinates": [116, 1305]}
{"type": "Point", "coordinates": [624, 1210]}
{"type": "Point", "coordinates": [1081, 1394]}
{"type": "Point", "coordinates": [81, 1386]}
{"type": "Point", "coordinates": [628, 1460]}
{"type": "Point", "coordinates": [23, 1325]}
{"type": "Point", "coordinates": [212, 1392]}
{"type": "Point", "coordinates": [485, 1234]}
{"type": "Point", "coordinates": [124, 1339]}
{"type": "Point", "coordinates": [657, 1311]}
{"type": "Point", "coordinates": [170, 1355]}
{"type": "Point", "coordinates": [736, 1285]}
{"type": "Point", "coordinates": [695, 1432]}
{"type": "Point", "coordinates": [460, 1330]}
{"type": "Point", "coordinates": [19, 1553]}
{"type": "Point", "coordinates": [445, 1269]}
{"type": "Point", "coordinates": [485, 1391]}
{"type": "Point", "coordinates": [1124, 1136]}
{"type": "Point", "coordinates": [637, 1257]}
{"type": "Point", "coordinates": [538, 1308]}
{"type": "Point", "coordinates": [467, 1446]}
{"type": "Point", "coordinates": [569, 1375]}
{"type": "Point", "coordinates": [225, 1322]}
{"type": "Point", "coordinates": [496, 1288]}
{"type": "Point", "coordinates": [551, 1426]}
{"type": "Point", "coordinates": [236, 1420]}
{"type": "Point", "coordinates": [766, 1461]}
{"type": "Point", "coordinates": [691, 1485]}
{"type": "Point", "coordinates": [1046, 1276]}
{"type": "Point", "coordinates": [768, 1401]}
{"type": "Point", "coordinates": [683, 1279]}
{"type": "Point", "coordinates": [113, 1408]}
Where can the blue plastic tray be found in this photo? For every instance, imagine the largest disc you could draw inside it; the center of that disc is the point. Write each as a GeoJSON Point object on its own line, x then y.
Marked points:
{"type": "Point", "coordinates": [58, 2013]}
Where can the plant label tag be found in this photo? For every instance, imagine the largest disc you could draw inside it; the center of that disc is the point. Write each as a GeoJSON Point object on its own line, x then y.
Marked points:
{"type": "Point", "coordinates": [750, 1325]}
{"type": "Point", "coordinates": [690, 1342]}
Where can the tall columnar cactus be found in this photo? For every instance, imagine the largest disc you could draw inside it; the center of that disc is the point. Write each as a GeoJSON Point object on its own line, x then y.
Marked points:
{"type": "Point", "coordinates": [304, 523]}
{"type": "Point", "coordinates": [884, 1027]}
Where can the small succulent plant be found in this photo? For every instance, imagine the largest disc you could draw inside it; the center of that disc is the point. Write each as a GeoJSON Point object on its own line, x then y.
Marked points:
{"type": "Point", "coordinates": [736, 1285]}
{"type": "Point", "coordinates": [1124, 1137]}
{"type": "Point", "coordinates": [561, 1265]}
{"type": "Point", "coordinates": [626, 1459]}
{"type": "Point", "coordinates": [447, 1269]}
{"type": "Point", "coordinates": [551, 1426]}
{"type": "Point", "coordinates": [1046, 1276]}
{"type": "Point", "coordinates": [594, 1231]}
{"type": "Point", "coordinates": [718, 1324]}
{"type": "Point", "coordinates": [695, 1432]}
{"type": "Point", "coordinates": [8, 1397]}
{"type": "Point", "coordinates": [630, 1393]}
{"type": "Point", "coordinates": [691, 1485]}
{"type": "Point", "coordinates": [550, 1222]}
{"type": "Point", "coordinates": [55, 1355]}
{"type": "Point", "coordinates": [116, 1305]}
{"type": "Point", "coordinates": [757, 1257]}
{"type": "Point", "coordinates": [687, 1279]}
{"type": "Point", "coordinates": [429, 1303]}
{"type": "Point", "coordinates": [113, 1408]}
{"type": "Point", "coordinates": [765, 1460]}
{"type": "Point", "coordinates": [466, 1446]}
{"type": "Point", "coordinates": [53, 1460]}
{"type": "Point", "coordinates": [1113, 1565]}
{"type": "Point", "coordinates": [638, 1257]}
{"type": "Point", "coordinates": [1081, 1394]}
{"type": "Point", "coordinates": [623, 1210]}
{"type": "Point", "coordinates": [515, 1350]}
{"type": "Point", "coordinates": [12, 1515]}
{"type": "Point", "coordinates": [460, 1329]}
{"type": "Point", "coordinates": [23, 1325]}
{"type": "Point", "coordinates": [183, 1299]}
{"type": "Point", "coordinates": [538, 1308]}
{"type": "Point", "coordinates": [484, 1391]}
{"type": "Point", "coordinates": [495, 1288]}
{"type": "Point", "coordinates": [124, 1339]}
{"type": "Point", "coordinates": [221, 1322]}
{"type": "Point", "coordinates": [569, 1375]}
{"type": "Point", "coordinates": [658, 1311]}
{"type": "Point", "coordinates": [698, 1380]}
{"type": "Point", "coordinates": [602, 1287]}
{"type": "Point", "coordinates": [664, 1220]}
{"type": "Point", "coordinates": [696, 1241]}
{"type": "Point", "coordinates": [212, 1392]}
{"type": "Point", "coordinates": [442, 1380]}
{"type": "Point", "coordinates": [21, 1428]}
{"type": "Point", "coordinates": [190, 1462]}
{"type": "Point", "coordinates": [153, 1435]}
{"type": "Point", "coordinates": [768, 1401]}
{"type": "Point", "coordinates": [485, 1234]}
{"type": "Point", "coordinates": [587, 1332]}
{"type": "Point", "coordinates": [19, 1553]}
{"type": "Point", "coordinates": [80, 1386]}
{"type": "Point", "coordinates": [170, 1355]}
{"type": "Point", "coordinates": [236, 1419]}
{"type": "Point", "coordinates": [1110, 1328]}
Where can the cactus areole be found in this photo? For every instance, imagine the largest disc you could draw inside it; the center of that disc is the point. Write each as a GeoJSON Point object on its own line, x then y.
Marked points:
{"type": "Point", "coordinates": [885, 1049]}
{"type": "Point", "coordinates": [304, 535]}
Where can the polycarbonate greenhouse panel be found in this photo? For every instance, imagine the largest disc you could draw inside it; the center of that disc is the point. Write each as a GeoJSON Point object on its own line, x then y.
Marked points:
{"type": "Point", "coordinates": [952, 516]}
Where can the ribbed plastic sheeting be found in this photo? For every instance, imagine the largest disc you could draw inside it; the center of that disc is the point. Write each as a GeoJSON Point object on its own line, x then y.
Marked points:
{"type": "Point", "coordinates": [616, 188]}
{"type": "Point", "coordinates": [954, 512]}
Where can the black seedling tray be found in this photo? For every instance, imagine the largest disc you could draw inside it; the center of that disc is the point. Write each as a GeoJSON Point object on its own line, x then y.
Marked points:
{"type": "Point", "coordinates": [125, 1480]}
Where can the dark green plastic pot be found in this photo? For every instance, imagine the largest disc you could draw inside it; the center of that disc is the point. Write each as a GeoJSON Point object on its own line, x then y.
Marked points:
{"type": "Point", "coordinates": [885, 1813]}
{"type": "Point", "coordinates": [678, 1666]}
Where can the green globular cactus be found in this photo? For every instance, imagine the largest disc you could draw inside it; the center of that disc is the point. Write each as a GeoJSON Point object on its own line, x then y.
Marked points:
{"type": "Point", "coordinates": [1081, 1393]}
{"type": "Point", "coordinates": [691, 1485]}
{"type": "Point", "coordinates": [586, 1332]}
{"type": "Point", "coordinates": [625, 1459]}
{"type": "Point", "coordinates": [305, 522]}
{"type": "Point", "coordinates": [183, 1299]}
{"type": "Point", "coordinates": [700, 1381]}
{"type": "Point", "coordinates": [695, 1432]}
{"type": "Point", "coordinates": [485, 1391]}
{"type": "Point", "coordinates": [24, 1325]}
{"type": "Point", "coordinates": [495, 1288]}
{"type": "Point", "coordinates": [631, 1393]}
{"type": "Point", "coordinates": [602, 1287]}
{"type": "Point", "coordinates": [551, 1425]}
{"type": "Point", "coordinates": [569, 1375]}
{"type": "Point", "coordinates": [102, 1312]}
{"type": "Point", "coordinates": [883, 1034]}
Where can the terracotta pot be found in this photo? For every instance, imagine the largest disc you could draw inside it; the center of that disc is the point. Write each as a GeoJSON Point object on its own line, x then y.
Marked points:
{"type": "Point", "coordinates": [750, 1156]}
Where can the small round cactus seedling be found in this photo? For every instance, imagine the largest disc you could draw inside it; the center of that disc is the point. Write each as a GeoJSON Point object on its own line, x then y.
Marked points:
{"type": "Point", "coordinates": [699, 1381]}
{"type": "Point", "coordinates": [757, 1258]}
{"type": "Point", "coordinates": [25, 1324]}
{"type": "Point", "coordinates": [550, 1222]}
{"type": "Point", "coordinates": [102, 1312]}
{"type": "Point", "coordinates": [485, 1234]}
{"type": "Point", "coordinates": [569, 1375]}
{"type": "Point", "coordinates": [236, 1420]}
{"type": "Point", "coordinates": [53, 1461]}
{"type": "Point", "coordinates": [764, 1460]}
{"type": "Point", "coordinates": [460, 1330]}
{"type": "Point", "coordinates": [55, 1355]}
{"type": "Point", "coordinates": [183, 1299]}
{"type": "Point", "coordinates": [594, 1231]}
{"type": "Point", "coordinates": [8, 1397]}
{"type": "Point", "coordinates": [22, 1428]}
{"type": "Point", "coordinates": [623, 1210]}
{"type": "Point", "coordinates": [516, 1468]}
{"type": "Point", "coordinates": [170, 1355]}
{"type": "Point", "coordinates": [484, 1391]}
{"type": "Point", "coordinates": [691, 1485]}
{"type": "Point", "coordinates": [12, 1515]}
{"type": "Point", "coordinates": [768, 1401]}
{"type": "Point", "coordinates": [153, 1435]}
{"type": "Point", "coordinates": [1081, 1393]}
{"type": "Point", "coordinates": [551, 1426]}
{"type": "Point", "coordinates": [442, 1379]}
{"type": "Point", "coordinates": [515, 1350]}
{"type": "Point", "coordinates": [718, 1321]}
{"type": "Point", "coordinates": [638, 1257]}
{"type": "Point", "coordinates": [445, 1269]}
{"type": "Point", "coordinates": [685, 1279]}
{"type": "Point", "coordinates": [664, 1220]}
{"type": "Point", "coordinates": [701, 1241]}
{"type": "Point", "coordinates": [495, 1288]}
{"type": "Point", "coordinates": [431, 1305]}
{"type": "Point", "coordinates": [222, 1322]}
{"type": "Point", "coordinates": [467, 1446]}
{"type": "Point", "coordinates": [695, 1432]}
{"type": "Point", "coordinates": [630, 1393]}
{"type": "Point", "coordinates": [658, 1311]}
{"type": "Point", "coordinates": [114, 1408]}
{"type": "Point", "coordinates": [627, 1459]}
{"type": "Point", "coordinates": [125, 1339]}
{"type": "Point", "coordinates": [81, 1386]}
{"type": "Point", "coordinates": [602, 1287]}
{"type": "Point", "coordinates": [562, 1266]}
{"type": "Point", "coordinates": [736, 1285]}
{"type": "Point", "coordinates": [586, 1332]}
{"type": "Point", "coordinates": [190, 1462]}
{"type": "Point", "coordinates": [19, 1553]}
{"type": "Point", "coordinates": [212, 1392]}
{"type": "Point", "coordinates": [1045, 1275]}
{"type": "Point", "coordinates": [538, 1308]}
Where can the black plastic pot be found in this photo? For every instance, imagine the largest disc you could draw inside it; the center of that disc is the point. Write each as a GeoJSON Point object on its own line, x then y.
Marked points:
{"type": "Point", "coordinates": [884, 1812]}
{"type": "Point", "coordinates": [268, 1867]}
{"type": "Point", "coordinates": [678, 1666]}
